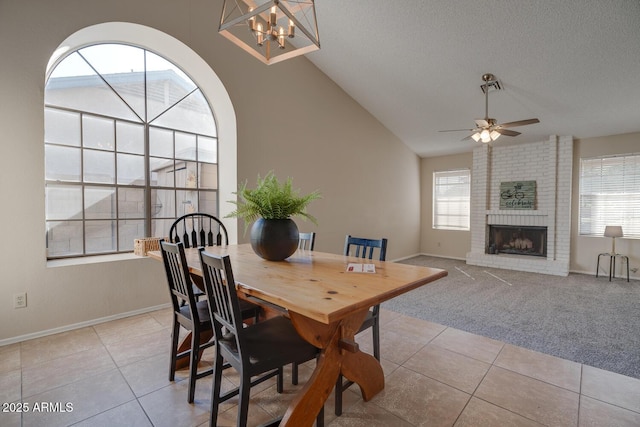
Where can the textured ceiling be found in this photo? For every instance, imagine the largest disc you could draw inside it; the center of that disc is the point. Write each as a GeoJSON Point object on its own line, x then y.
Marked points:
{"type": "Point", "coordinates": [417, 65]}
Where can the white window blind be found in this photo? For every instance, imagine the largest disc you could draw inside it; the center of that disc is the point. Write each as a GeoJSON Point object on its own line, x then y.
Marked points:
{"type": "Point", "coordinates": [610, 194]}
{"type": "Point", "coordinates": [451, 199]}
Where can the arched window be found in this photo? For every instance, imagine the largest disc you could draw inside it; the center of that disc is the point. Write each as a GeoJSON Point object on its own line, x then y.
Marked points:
{"type": "Point", "coordinates": [130, 144]}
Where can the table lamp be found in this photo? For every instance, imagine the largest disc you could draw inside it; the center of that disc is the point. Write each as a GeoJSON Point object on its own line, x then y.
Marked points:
{"type": "Point", "coordinates": [613, 231]}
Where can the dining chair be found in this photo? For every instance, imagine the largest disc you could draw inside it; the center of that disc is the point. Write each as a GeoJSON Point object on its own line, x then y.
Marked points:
{"type": "Point", "coordinates": [258, 351]}
{"type": "Point", "coordinates": [192, 315]}
{"type": "Point", "coordinates": [200, 229]}
{"type": "Point", "coordinates": [363, 248]}
{"type": "Point", "coordinates": [306, 241]}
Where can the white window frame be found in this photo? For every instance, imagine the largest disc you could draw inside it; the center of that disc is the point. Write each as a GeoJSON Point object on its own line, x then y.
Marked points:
{"type": "Point", "coordinates": [610, 194]}
{"type": "Point", "coordinates": [453, 211]}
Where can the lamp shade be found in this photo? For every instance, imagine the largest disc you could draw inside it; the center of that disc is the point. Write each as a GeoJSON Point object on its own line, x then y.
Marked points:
{"type": "Point", "coordinates": [613, 231]}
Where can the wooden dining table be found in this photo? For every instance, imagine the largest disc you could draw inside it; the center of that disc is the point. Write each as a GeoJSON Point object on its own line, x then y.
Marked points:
{"type": "Point", "coordinates": [327, 305]}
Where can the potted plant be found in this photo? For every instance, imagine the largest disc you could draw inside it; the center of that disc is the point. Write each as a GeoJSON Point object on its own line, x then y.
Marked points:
{"type": "Point", "coordinates": [271, 204]}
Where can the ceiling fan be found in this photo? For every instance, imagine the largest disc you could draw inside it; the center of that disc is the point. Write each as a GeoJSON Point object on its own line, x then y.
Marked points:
{"type": "Point", "coordinates": [488, 129]}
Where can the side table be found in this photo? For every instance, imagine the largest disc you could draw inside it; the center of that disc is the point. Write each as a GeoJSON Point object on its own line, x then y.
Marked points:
{"type": "Point", "coordinates": [612, 264]}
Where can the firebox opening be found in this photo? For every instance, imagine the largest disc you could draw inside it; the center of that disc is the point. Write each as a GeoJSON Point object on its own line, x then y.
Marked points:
{"type": "Point", "coordinates": [517, 240]}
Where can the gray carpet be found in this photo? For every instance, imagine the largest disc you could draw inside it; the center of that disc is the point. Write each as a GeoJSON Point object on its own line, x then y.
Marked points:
{"type": "Point", "coordinates": [581, 318]}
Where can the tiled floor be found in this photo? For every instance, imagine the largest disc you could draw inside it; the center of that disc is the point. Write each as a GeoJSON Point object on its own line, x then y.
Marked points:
{"type": "Point", "coordinates": [115, 374]}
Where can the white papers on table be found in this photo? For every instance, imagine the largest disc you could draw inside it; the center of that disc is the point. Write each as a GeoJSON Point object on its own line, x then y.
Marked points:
{"type": "Point", "coordinates": [354, 267]}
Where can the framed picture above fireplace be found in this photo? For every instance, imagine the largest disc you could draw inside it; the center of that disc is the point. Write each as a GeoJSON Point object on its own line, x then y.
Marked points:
{"type": "Point", "coordinates": [518, 195]}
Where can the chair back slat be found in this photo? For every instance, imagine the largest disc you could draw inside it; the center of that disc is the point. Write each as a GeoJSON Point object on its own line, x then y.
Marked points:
{"type": "Point", "coordinates": [178, 277]}
{"type": "Point", "coordinates": [198, 229]}
{"type": "Point", "coordinates": [365, 248]}
{"type": "Point", "coordinates": [220, 287]}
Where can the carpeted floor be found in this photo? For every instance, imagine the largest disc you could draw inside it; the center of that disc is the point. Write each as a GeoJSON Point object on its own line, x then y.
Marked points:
{"type": "Point", "coordinates": [581, 318]}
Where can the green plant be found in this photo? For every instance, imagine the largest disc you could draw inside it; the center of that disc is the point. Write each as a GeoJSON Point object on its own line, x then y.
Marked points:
{"type": "Point", "coordinates": [271, 200]}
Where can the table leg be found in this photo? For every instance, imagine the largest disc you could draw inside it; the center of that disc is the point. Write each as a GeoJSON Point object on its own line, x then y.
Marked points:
{"type": "Point", "coordinates": [334, 359]}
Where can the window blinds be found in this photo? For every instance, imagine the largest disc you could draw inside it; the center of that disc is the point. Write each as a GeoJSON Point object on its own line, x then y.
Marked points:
{"type": "Point", "coordinates": [610, 194]}
{"type": "Point", "coordinates": [451, 199]}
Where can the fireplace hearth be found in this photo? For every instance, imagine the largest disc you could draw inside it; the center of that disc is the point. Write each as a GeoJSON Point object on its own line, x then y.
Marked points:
{"type": "Point", "coordinates": [517, 240]}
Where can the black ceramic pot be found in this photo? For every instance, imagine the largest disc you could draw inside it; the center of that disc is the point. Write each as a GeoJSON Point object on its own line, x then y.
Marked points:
{"type": "Point", "coordinates": [274, 239]}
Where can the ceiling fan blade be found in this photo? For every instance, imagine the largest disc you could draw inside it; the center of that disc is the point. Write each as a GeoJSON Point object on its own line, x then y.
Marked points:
{"type": "Point", "coordinates": [466, 138]}
{"type": "Point", "coordinates": [482, 123]}
{"type": "Point", "coordinates": [458, 130]}
{"type": "Point", "coordinates": [507, 132]}
{"type": "Point", "coordinates": [518, 123]}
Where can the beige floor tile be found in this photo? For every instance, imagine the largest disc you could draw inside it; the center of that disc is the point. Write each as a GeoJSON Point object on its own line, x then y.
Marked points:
{"type": "Point", "coordinates": [454, 369]}
{"type": "Point", "coordinates": [420, 400]}
{"type": "Point", "coordinates": [163, 316]}
{"type": "Point", "coordinates": [168, 406]}
{"type": "Point", "coordinates": [88, 397]}
{"type": "Point", "coordinates": [475, 346]}
{"type": "Point", "coordinates": [366, 414]}
{"type": "Point", "coordinates": [53, 346]}
{"type": "Point", "coordinates": [150, 374]}
{"type": "Point", "coordinates": [611, 388]}
{"type": "Point", "coordinates": [128, 414]}
{"type": "Point", "coordinates": [64, 370]}
{"type": "Point", "coordinates": [481, 413]}
{"type": "Point", "coordinates": [10, 358]}
{"type": "Point", "coordinates": [139, 348]}
{"type": "Point", "coordinates": [594, 413]}
{"type": "Point", "coordinates": [531, 398]}
{"type": "Point", "coordinates": [396, 347]}
{"type": "Point", "coordinates": [550, 369]}
{"type": "Point", "coordinates": [127, 328]}
{"type": "Point", "coordinates": [10, 386]}
{"type": "Point", "coordinates": [415, 329]}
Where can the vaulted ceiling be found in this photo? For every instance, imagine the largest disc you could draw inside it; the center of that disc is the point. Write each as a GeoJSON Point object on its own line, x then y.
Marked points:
{"type": "Point", "coordinates": [417, 65]}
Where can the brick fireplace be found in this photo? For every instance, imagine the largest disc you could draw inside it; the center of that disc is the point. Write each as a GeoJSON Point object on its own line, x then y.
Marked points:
{"type": "Point", "coordinates": [536, 239]}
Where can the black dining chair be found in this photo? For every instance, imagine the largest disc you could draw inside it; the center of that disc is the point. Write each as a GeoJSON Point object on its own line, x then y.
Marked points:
{"type": "Point", "coordinates": [189, 313]}
{"type": "Point", "coordinates": [306, 241]}
{"type": "Point", "coordinates": [258, 352]}
{"type": "Point", "coordinates": [199, 229]}
{"type": "Point", "coordinates": [363, 248]}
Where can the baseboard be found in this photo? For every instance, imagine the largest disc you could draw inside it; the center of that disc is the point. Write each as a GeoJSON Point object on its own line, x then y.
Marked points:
{"type": "Point", "coordinates": [443, 256]}
{"type": "Point", "coordinates": [74, 326]}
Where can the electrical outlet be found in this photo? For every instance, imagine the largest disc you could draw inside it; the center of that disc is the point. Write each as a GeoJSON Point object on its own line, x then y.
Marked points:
{"type": "Point", "coordinates": [20, 300]}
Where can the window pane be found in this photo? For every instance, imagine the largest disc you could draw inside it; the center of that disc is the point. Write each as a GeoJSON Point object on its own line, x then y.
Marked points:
{"type": "Point", "coordinates": [63, 202]}
{"type": "Point", "coordinates": [64, 238]}
{"type": "Point", "coordinates": [160, 227]}
{"type": "Point", "coordinates": [163, 203]}
{"type": "Point", "coordinates": [187, 202]}
{"type": "Point", "coordinates": [61, 127]}
{"type": "Point", "coordinates": [99, 166]}
{"type": "Point", "coordinates": [100, 236]}
{"type": "Point", "coordinates": [128, 231]}
{"type": "Point", "coordinates": [186, 175]}
{"type": "Point", "coordinates": [162, 172]}
{"type": "Point", "coordinates": [100, 202]}
{"type": "Point", "coordinates": [166, 85]}
{"type": "Point", "coordinates": [130, 169]}
{"type": "Point", "coordinates": [208, 202]}
{"type": "Point", "coordinates": [98, 132]}
{"type": "Point", "coordinates": [130, 203]}
{"type": "Point", "coordinates": [208, 176]}
{"type": "Point", "coordinates": [207, 149]}
{"type": "Point", "coordinates": [160, 142]}
{"type": "Point", "coordinates": [185, 146]}
{"type": "Point", "coordinates": [192, 114]}
{"type": "Point", "coordinates": [130, 137]}
{"type": "Point", "coordinates": [62, 163]}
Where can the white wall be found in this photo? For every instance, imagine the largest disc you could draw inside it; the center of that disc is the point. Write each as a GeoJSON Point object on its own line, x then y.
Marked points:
{"type": "Point", "coordinates": [290, 118]}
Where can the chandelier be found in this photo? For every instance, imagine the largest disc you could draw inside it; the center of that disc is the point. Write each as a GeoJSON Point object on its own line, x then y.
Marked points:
{"type": "Point", "coordinates": [271, 30]}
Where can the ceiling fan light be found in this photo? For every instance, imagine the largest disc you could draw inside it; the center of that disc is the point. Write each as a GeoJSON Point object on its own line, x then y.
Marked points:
{"type": "Point", "coordinates": [485, 136]}
{"type": "Point", "coordinates": [494, 135]}
{"type": "Point", "coordinates": [476, 137]}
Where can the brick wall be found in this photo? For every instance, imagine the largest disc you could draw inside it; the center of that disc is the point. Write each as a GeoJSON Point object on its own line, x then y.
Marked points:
{"type": "Point", "coordinates": [549, 163]}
